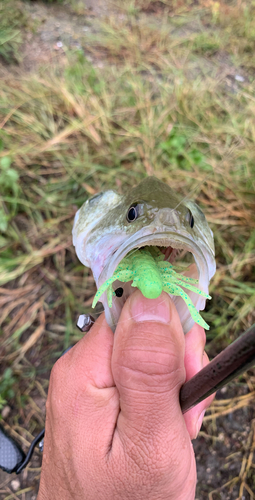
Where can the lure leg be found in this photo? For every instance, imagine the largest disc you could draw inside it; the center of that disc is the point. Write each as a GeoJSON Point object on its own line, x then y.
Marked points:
{"type": "Point", "coordinates": [179, 282]}
{"type": "Point", "coordinates": [176, 290]}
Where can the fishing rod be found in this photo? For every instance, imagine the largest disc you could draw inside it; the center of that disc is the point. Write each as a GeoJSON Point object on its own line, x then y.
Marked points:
{"type": "Point", "coordinates": [234, 360]}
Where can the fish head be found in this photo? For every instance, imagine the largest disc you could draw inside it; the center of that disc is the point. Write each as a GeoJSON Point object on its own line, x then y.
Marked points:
{"type": "Point", "coordinates": [109, 226]}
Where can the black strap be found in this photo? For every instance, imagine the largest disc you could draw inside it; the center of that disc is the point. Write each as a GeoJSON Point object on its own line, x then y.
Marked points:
{"type": "Point", "coordinates": [24, 463]}
{"type": "Point", "coordinates": [12, 457]}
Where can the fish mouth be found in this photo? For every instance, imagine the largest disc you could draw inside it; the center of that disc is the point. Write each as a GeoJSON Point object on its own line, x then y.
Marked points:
{"type": "Point", "coordinates": [170, 243]}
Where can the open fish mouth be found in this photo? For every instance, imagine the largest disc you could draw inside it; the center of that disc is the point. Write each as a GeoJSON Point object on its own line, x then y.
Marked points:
{"type": "Point", "coordinates": [170, 244]}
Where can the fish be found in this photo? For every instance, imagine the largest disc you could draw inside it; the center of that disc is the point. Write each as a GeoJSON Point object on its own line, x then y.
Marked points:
{"type": "Point", "coordinates": [109, 225]}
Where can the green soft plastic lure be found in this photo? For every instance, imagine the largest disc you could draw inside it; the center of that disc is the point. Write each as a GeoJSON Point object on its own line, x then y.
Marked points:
{"type": "Point", "coordinates": [150, 273]}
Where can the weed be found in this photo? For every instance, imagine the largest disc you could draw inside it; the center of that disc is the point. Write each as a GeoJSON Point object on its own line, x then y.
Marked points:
{"type": "Point", "coordinates": [7, 382]}
{"type": "Point", "coordinates": [207, 44]}
{"type": "Point", "coordinates": [180, 154]}
{"type": "Point", "coordinates": [12, 20]}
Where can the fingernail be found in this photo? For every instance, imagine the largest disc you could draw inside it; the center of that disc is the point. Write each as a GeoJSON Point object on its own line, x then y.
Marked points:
{"type": "Point", "coordinates": [199, 422]}
{"type": "Point", "coordinates": [143, 309]}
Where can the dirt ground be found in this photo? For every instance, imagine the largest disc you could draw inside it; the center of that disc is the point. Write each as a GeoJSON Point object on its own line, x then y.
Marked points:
{"type": "Point", "coordinates": [221, 441]}
{"type": "Point", "coordinates": [58, 29]}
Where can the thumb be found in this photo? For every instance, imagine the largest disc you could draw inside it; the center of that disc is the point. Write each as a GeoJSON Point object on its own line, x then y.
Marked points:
{"type": "Point", "coordinates": [148, 365]}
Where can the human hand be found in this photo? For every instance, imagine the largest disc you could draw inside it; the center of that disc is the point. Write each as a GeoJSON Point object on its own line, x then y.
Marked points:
{"type": "Point", "coordinates": [114, 426]}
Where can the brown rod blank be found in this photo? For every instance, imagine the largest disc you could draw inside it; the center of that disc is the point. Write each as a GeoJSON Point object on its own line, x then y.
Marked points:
{"type": "Point", "coordinates": [231, 362]}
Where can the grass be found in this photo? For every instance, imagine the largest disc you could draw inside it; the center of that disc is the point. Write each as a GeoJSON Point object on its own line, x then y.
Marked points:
{"type": "Point", "coordinates": [155, 94]}
{"type": "Point", "coordinates": [13, 20]}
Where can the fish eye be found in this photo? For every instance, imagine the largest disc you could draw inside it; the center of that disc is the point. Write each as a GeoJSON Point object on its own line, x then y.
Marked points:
{"type": "Point", "coordinates": [132, 212]}
{"type": "Point", "coordinates": [190, 219]}
{"type": "Point", "coordinates": [135, 210]}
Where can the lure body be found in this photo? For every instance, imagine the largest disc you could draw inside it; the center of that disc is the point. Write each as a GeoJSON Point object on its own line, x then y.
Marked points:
{"type": "Point", "coordinates": [147, 276]}
{"type": "Point", "coordinates": [149, 272]}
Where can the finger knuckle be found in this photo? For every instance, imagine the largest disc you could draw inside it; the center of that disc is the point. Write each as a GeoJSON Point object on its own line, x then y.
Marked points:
{"type": "Point", "coordinates": [150, 351]}
{"type": "Point", "coordinates": [150, 367]}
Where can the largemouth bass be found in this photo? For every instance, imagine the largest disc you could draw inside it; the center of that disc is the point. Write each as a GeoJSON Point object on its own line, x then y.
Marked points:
{"type": "Point", "coordinates": [109, 226]}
